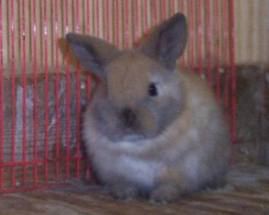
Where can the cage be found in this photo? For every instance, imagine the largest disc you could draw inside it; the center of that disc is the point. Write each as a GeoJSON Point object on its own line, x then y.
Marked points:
{"type": "Point", "coordinates": [43, 91]}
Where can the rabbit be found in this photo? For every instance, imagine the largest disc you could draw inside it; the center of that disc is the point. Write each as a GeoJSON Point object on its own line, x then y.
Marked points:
{"type": "Point", "coordinates": [151, 131]}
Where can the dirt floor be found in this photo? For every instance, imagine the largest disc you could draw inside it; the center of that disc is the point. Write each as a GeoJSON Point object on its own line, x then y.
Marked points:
{"type": "Point", "coordinates": [247, 192]}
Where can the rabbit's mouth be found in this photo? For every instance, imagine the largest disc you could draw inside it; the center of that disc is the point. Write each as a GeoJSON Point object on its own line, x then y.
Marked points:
{"type": "Point", "coordinates": [131, 134]}
{"type": "Point", "coordinates": [124, 136]}
{"type": "Point", "coordinates": [133, 137]}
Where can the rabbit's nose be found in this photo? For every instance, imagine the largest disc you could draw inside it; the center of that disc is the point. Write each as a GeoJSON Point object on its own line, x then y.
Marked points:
{"type": "Point", "coordinates": [128, 117]}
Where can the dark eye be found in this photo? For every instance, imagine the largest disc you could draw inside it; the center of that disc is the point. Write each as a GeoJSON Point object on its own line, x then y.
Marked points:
{"type": "Point", "coordinates": [152, 90]}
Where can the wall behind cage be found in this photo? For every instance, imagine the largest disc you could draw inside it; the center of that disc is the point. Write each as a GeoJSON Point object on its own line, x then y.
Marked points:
{"type": "Point", "coordinates": [252, 32]}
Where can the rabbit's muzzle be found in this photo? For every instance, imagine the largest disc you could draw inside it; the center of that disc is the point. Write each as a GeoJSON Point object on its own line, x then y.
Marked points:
{"type": "Point", "coordinates": [128, 118]}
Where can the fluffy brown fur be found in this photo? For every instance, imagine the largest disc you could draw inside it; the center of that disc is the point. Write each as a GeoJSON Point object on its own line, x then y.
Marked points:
{"type": "Point", "coordinates": [151, 129]}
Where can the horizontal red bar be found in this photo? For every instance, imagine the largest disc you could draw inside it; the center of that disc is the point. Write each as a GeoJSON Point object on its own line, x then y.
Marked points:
{"type": "Point", "coordinates": [28, 188]}
{"type": "Point", "coordinates": [36, 162]}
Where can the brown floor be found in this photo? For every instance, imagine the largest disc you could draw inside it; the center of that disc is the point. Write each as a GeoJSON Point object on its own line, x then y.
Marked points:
{"type": "Point", "coordinates": [246, 193]}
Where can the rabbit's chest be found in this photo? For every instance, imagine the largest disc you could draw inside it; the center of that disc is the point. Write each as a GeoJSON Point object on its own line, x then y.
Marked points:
{"type": "Point", "coordinates": [140, 171]}
{"type": "Point", "coordinates": [134, 170]}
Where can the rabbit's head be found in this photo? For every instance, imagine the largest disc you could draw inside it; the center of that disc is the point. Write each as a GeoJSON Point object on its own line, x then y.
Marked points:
{"type": "Point", "coordinates": [140, 93]}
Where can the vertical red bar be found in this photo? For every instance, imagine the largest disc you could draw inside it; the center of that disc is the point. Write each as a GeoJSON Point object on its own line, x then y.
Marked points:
{"type": "Point", "coordinates": [233, 70]}
{"type": "Point", "coordinates": [77, 6]}
{"type": "Point", "coordinates": [191, 34]}
{"type": "Point", "coordinates": [154, 8]}
{"type": "Point", "coordinates": [56, 36]}
{"type": "Point", "coordinates": [78, 93]}
{"type": "Point", "coordinates": [146, 10]}
{"type": "Point", "coordinates": [67, 98]}
{"type": "Point", "coordinates": [116, 23]}
{"type": "Point", "coordinates": [126, 24]}
{"type": "Point", "coordinates": [88, 28]}
{"type": "Point", "coordinates": [208, 39]}
{"type": "Point", "coordinates": [147, 14]}
{"type": "Point", "coordinates": [35, 91]}
{"type": "Point", "coordinates": [136, 21]}
{"type": "Point", "coordinates": [88, 81]}
{"type": "Point", "coordinates": [110, 20]}
{"type": "Point", "coordinates": [92, 15]}
{"type": "Point", "coordinates": [97, 17]}
{"type": "Point", "coordinates": [181, 9]}
{"type": "Point", "coordinates": [87, 18]}
{"type": "Point", "coordinates": [106, 20]}
{"type": "Point", "coordinates": [172, 7]}
{"type": "Point", "coordinates": [199, 37]}
{"type": "Point", "coordinates": [13, 88]}
{"type": "Point", "coordinates": [216, 26]}
{"type": "Point", "coordinates": [226, 58]}
{"type": "Point", "coordinates": [24, 87]}
{"type": "Point", "coordinates": [2, 134]}
{"type": "Point", "coordinates": [46, 87]}
{"type": "Point", "coordinates": [163, 10]}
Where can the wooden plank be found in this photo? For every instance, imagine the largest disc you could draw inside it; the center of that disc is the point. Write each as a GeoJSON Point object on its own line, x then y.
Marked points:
{"type": "Point", "coordinates": [247, 192]}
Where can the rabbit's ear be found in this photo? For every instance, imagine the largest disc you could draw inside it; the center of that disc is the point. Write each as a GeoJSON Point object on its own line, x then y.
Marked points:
{"type": "Point", "coordinates": [167, 41]}
{"type": "Point", "coordinates": [92, 53]}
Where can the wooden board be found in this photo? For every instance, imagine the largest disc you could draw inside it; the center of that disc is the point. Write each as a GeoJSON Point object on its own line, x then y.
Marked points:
{"type": "Point", "coordinates": [247, 192]}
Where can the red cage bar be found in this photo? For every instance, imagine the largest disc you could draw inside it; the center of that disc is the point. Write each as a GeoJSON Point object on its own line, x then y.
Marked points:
{"type": "Point", "coordinates": [43, 91]}
{"type": "Point", "coordinates": [56, 34]}
{"type": "Point", "coordinates": [2, 136]}
{"type": "Point", "coordinates": [13, 94]}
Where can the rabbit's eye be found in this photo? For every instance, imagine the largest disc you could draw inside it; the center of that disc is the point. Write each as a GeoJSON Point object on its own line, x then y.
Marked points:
{"type": "Point", "coordinates": [152, 90]}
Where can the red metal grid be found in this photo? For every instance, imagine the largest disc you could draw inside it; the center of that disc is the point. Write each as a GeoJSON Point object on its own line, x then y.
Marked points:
{"type": "Point", "coordinates": [209, 21]}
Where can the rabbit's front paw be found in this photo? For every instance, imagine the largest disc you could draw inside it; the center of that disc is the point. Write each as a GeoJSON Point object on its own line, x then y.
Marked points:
{"type": "Point", "coordinates": [165, 194]}
{"type": "Point", "coordinates": [123, 192]}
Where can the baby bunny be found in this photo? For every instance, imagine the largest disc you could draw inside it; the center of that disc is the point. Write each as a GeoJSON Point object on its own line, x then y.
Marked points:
{"type": "Point", "coordinates": [150, 129]}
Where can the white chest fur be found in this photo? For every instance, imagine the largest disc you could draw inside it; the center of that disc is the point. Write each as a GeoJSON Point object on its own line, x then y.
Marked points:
{"type": "Point", "coordinates": [116, 160]}
{"type": "Point", "coordinates": [139, 171]}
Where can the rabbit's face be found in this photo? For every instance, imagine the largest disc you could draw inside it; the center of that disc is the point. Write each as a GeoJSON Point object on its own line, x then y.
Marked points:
{"type": "Point", "coordinates": [141, 92]}
{"type": "Point", "coordinates": [140, 98]}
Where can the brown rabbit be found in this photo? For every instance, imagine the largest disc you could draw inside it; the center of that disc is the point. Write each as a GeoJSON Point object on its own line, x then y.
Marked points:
{"type": "Point", "coordinates": [151, 129]}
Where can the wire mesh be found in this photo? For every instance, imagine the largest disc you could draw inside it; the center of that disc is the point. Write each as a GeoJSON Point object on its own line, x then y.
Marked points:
{"type": "Point", "coordinates": [43, 91]}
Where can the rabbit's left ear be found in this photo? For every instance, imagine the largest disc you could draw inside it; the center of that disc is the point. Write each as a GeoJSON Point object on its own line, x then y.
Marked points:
{"type": "Point", "coordinates": [167, 41]}
{"type": "Point", "coordinates": [92, 53]}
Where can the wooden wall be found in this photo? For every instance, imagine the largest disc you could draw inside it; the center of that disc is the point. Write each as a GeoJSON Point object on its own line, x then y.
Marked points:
{"type": "Point", "coordinates": [252, 31]}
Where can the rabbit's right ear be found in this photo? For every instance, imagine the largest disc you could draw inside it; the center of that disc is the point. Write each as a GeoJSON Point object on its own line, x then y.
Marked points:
{"type": "Point", "coordinates": [167, 41]}
{"type": "Point", "coordinates": [92, 53]}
